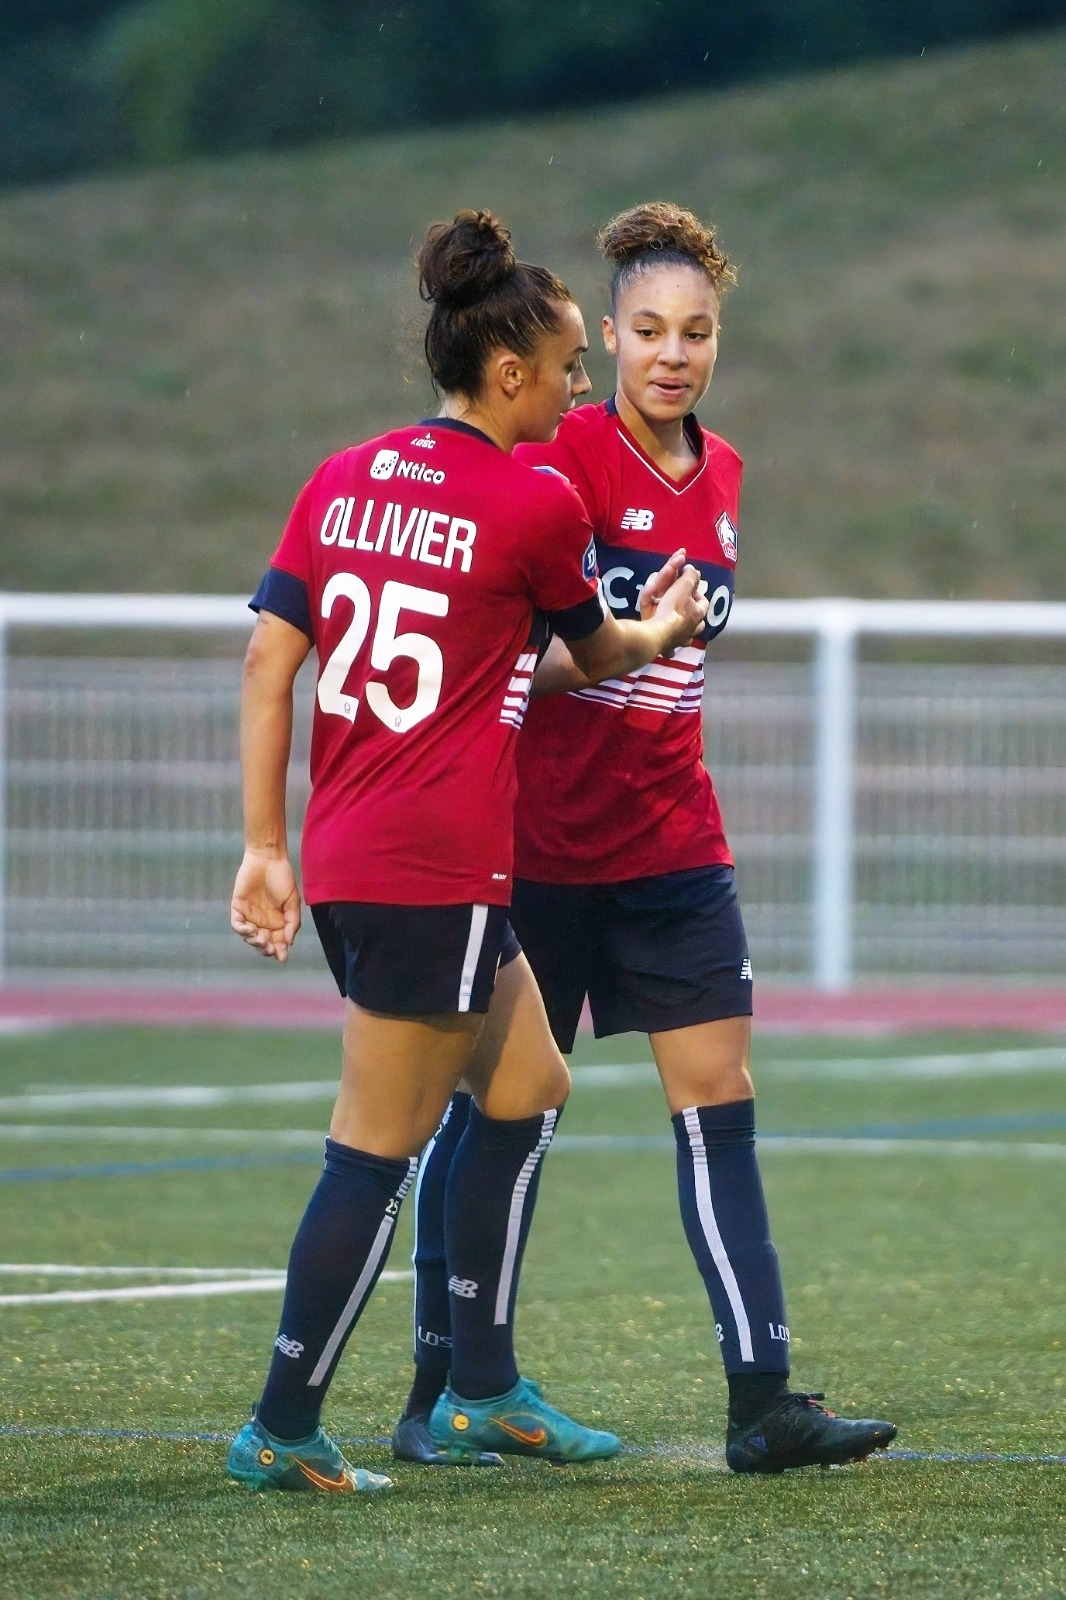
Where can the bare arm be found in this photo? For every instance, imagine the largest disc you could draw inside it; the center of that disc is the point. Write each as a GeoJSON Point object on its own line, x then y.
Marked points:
{"type": "Point", "coordinates": [265, 908]}
{"type": "Point", "coordinates": [672, 610]}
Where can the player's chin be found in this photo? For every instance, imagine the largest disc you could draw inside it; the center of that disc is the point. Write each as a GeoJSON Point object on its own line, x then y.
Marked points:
{"type": "Point", "coordinates": [664, 405]}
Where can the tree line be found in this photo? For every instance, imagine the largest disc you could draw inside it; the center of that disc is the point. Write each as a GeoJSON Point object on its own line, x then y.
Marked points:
{"type": "Point", "coordinates": [92, 84]}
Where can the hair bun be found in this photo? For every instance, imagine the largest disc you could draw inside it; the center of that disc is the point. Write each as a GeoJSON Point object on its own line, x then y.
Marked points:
{"type": "Point", "coordinates": [633, 239]}
{"type": "Point", "coordinates": [464, 261]}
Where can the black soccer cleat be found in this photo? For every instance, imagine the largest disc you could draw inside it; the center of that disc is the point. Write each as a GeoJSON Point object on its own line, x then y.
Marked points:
{"type": "Point", "coordinates": [412, 1441]}
{"type": "Point", "coordinates": [797, 1431]}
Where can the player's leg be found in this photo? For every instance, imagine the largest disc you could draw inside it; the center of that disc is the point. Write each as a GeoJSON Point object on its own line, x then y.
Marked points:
{"type": "Point", "coordinates": [520, 1082]}
{"type": "Point", "coordinates": [557, 923]}
{"type": "Point", "coordinates": [683, 972]}
{"type": "Point", "coordinates": [398, 1073]}
{"type": "Point", "coordinates": [411, 1439]}
{"type": "Point", "coordinates": [724, 1213]}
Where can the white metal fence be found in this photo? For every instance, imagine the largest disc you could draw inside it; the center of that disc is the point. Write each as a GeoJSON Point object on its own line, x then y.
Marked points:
{"type": "Point", "coordinates": [886, 818]}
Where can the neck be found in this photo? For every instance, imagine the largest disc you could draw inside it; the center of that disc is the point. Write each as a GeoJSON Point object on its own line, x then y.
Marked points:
{"type": "Point", "coordinates": [665, 442]}
{"type": "Point", "coordinates": [458, 408]}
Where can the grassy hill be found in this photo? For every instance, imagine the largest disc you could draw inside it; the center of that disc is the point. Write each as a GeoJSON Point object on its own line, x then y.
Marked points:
{"type": "Point", "coordinates": [182, 348]}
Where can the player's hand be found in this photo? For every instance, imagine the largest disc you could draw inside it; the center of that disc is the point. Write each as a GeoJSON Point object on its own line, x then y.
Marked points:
{"type": "Point", "coordinates": [682, 609]}
{"type": "Point", "coordinates": [265, 908]}
{"type": "Point", "coordinates": [656, 586]}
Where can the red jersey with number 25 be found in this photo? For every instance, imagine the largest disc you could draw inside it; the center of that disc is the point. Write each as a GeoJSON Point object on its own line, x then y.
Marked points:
{"type": "Point", "coordinates": [415, 563]}
{"type": "Point", "coordinates": [612, 783]}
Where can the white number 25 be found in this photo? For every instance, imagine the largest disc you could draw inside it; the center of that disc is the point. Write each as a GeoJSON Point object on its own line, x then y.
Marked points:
{"type": "Point", "coordinates": [388, 646]}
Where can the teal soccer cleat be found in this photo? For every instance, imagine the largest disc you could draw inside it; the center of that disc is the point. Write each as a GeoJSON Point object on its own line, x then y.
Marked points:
{"type": "Point", "coordinates": [518, 1423]}
{"type": "Point", "coordinates": [259, 1461]}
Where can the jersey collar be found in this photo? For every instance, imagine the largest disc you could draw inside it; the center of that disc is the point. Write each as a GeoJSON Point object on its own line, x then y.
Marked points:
{"type": "Point", "coordinates": [694, 435]}
{"type": "Point", "coordinates": [456, 426]}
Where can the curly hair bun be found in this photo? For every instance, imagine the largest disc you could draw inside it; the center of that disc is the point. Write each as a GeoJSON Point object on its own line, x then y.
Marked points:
{"type": "Point", "coordinates": [636, 236]}
{"type": "Point", "coordinates": [464, 261]}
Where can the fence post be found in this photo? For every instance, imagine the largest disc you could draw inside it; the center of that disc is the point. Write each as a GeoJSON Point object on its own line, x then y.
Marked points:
{"type": "Point", "coordinates": [834, 796]}
{"type": "Point", "coordinates": [3, 795]}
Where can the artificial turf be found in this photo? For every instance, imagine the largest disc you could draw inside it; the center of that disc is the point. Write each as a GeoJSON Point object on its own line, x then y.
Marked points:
{"type": "Point", "coordinates": [924, 1286]}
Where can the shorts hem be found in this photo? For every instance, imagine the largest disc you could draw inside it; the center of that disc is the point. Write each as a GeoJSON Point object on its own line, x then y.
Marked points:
{"type": "Point", "coordinates": [666, 1019]}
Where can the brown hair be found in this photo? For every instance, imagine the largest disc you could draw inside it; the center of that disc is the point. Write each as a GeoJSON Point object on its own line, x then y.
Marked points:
{"type": "Point", "coordinates": [483, 299]}
{"type": "Point", "coordinates": [660, 233]}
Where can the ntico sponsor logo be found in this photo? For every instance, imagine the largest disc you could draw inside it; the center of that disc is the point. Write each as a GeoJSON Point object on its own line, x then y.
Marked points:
{"type": "Point", "coordinates": [387, 463]}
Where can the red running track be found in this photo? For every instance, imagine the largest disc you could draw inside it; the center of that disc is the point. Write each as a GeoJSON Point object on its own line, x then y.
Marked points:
{"type": "Point", "coordinates": [982, 1008]}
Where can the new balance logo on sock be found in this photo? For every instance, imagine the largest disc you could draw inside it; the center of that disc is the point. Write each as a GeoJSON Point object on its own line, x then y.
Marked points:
{"type": "Point", "coordinates": [289, 1347]}
{"type": "Point", "coordinates": [465, 1288]}
{"type": "Point", "coordinates": [745, 970]}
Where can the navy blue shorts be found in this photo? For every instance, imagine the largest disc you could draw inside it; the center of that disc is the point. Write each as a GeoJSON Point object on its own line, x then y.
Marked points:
{"type": "Point", "coordinates": [414, 961]}
{"type": "Point", "coordinates": [651, 954]}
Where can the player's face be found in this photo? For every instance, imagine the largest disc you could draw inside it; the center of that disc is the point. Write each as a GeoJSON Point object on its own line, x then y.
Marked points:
{"type": "Point", "coordinates": [664, 337]}
{"type": "Point", "coordinates": [555, 378]}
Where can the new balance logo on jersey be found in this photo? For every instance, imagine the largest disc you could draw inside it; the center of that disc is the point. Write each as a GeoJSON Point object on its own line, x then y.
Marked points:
{"type": "Point", "coordinates": [465, 1288]}
{"type": "Point", "coordinates": [387, 462]}
{"type": "Point", "coordinates": [745, 970]}
{"type": "Point", "coordinates": [289, 1347]}
{"type": "Point", "coordinates": [638, 521]}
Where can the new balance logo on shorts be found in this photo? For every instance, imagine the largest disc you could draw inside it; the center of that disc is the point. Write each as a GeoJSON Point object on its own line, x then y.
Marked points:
{"type": "Point", "coordinates": [639, 521]}
{"type": "Point", "coordinates": [465, 1288]}
{"type": "Point", "coordinates": [289, 1347]}
{"type": "Point", "coordinates": [745, 970]}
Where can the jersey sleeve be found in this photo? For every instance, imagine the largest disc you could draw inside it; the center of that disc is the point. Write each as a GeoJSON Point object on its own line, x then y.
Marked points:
{"type": "Point", "coordinates": [559, 554]}
{"type": "Point", "coordinates": [284, 590]}
{"type": "Point", "coordinates": [572, 453]}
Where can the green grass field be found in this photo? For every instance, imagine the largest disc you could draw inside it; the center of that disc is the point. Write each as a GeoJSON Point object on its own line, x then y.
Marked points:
{"type": "Point", "coordinates": [925, 1282]}
{"type": "Point", "coordinates": [182, 347]}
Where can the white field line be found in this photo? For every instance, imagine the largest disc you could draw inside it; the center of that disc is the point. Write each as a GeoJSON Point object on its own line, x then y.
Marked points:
{"type": "Point", "coordinates": [614, 1074]}
{"type": "Point", "coordinates": [168, 1291]}
{"type": "Point", "coordinates": [307, 1138]}
{"type": "Point", "coordinates": [819, 1145]}
{"type": "Point", "coordinates": [53, 1269]}
{"type": "Point", "coordinates": [600, 1075]}
{"type": "Point", "coordinates": [90, 1133]}
{"type": "Point", "coordinates": [824, 1144]}
{"type": "Point", "coordinates": [181, 1095]}
{"type": "Point", "coordinates": [15, 1027]}
{"type": "Point", "coordinates": [971, 1064]}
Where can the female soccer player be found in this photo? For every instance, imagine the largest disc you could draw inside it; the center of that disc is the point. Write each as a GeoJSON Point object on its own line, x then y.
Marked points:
{"type": "Point", "coordinates": [624, 888]}
{"type": "Point", "coordinates": [413, 564]}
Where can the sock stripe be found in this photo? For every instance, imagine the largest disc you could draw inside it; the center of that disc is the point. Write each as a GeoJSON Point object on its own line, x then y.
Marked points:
{"type": "Point", "coordinates": [514, 1217]}
{"type": "Point", "coordinates": [709, 1224]}
{"type": "Point", "coordinates": [364, 1284]}
{"type": "Point", "coordinates": [479, 916]}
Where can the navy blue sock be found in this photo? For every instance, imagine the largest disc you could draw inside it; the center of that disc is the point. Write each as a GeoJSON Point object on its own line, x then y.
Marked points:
{"type": "Point", "coordinates": [488, 1207]}
{"type": "Point", "coordinates": [724, 1213]}
{"type": "Point", "coordinates": [340, 1248]}
{"type": "Point", "coordinates": [433, 1323]}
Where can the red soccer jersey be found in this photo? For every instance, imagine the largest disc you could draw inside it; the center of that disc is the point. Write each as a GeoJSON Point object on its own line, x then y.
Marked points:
{"type": "Point", "coordinates": [415, 563]}
{"type": "Point", "coordinates": [612, 783]}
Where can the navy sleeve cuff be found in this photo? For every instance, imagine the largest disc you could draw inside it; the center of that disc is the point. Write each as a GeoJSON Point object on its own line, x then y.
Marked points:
{"type": "Point", "coordinates": [286, 597]}
{"type": "Point", "coordinates": [580, 621]}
